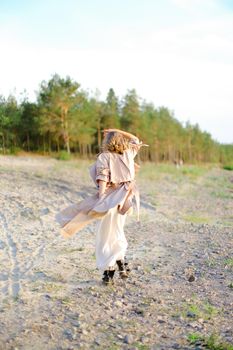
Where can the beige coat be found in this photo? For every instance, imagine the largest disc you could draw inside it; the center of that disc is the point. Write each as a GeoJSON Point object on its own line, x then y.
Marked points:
{"type": "Point", "coordinates": [118, 171]}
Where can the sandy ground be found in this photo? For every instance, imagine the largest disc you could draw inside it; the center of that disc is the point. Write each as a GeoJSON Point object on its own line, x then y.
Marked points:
{"type": "Point", "coordinates": [180, 253]}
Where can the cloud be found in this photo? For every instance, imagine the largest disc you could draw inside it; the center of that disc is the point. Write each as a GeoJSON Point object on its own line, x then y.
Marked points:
{"type": "Point", "coordinates": [197, 6]}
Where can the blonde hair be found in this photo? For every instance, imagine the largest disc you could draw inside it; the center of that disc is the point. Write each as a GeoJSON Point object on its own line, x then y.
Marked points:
{"type": "Point", "coordinates": [115, 142]}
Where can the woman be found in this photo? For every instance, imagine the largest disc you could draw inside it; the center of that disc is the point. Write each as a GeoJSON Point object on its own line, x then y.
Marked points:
{"type": "Point", "coordinates": [113, 173]}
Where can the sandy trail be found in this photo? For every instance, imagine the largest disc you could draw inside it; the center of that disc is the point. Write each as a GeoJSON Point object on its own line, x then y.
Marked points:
{"type": "Point", "coordinates": [181, 257]}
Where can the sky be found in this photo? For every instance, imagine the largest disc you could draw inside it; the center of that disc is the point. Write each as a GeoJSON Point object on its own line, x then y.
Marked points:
{"type": "Point", "coordinates": [175, 53]}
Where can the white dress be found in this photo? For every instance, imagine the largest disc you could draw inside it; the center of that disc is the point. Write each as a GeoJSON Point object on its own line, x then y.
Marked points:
{"type": "Point", "coordinates": [111, 243]}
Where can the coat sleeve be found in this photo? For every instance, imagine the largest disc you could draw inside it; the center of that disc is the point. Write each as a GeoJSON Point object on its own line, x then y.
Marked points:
{"type": "Point", "coordinates": [134, 146]}
{"type": "Point", "coordinates": [102, 168]}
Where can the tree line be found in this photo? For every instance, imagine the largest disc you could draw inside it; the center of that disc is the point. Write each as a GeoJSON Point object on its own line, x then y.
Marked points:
{"type": "Point", "coordinates": [65, 117]}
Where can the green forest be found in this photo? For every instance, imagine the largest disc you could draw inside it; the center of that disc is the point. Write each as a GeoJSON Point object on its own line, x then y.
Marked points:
{"type": "Point", "coordinates": [65, 118]}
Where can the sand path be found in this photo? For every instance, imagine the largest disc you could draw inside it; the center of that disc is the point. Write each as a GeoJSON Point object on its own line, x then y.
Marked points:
{"type": "Point", "coordinates": [181, 258]}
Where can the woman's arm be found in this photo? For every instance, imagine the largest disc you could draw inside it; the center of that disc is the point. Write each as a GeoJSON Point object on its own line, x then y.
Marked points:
{"type": "Point", "coordinates": [128, 135]}
{"type": "Point", "coordinates": [102, 187]}
{"type": "Point", "coordinates": [124, 133]}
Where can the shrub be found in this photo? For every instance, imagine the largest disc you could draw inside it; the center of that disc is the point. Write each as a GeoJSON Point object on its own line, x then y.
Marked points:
{"type": "Point", "coordinates": [14, 150]}
{"type": "Point", "coordinates": [228, 167]}
{"type": "Point", "coordinates": [63, 155]}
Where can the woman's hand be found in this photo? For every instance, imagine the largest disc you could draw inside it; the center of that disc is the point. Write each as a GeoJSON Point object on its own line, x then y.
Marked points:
{"type": "Point", "coordinates": [136, 167]}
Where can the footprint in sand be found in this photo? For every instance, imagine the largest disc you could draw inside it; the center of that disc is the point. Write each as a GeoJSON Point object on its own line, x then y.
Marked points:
{"type": "Point", "coordinates": [12, 283]}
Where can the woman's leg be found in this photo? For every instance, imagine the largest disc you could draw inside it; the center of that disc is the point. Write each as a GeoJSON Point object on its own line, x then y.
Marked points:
{"type": "Point", "coordinates": [111, 243]}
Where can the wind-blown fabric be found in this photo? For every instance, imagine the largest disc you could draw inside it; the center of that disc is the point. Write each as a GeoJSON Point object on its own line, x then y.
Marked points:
{"type": "Point", "coordinates": [118, 171]}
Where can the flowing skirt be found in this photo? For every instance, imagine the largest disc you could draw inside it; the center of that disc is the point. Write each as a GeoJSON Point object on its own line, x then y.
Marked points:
{"type": "Point", "coordinates": [111, 243]}
{"type": "Point", "coordinates": [75, 217]}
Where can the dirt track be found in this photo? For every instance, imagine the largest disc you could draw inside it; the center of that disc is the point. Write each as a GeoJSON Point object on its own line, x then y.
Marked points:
{"type": "Point", "coordinates": [180, 254]}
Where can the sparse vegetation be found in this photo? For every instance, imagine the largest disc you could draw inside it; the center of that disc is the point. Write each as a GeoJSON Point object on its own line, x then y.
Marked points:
{"type": "Point", "coordinates": [211, 262]}
{"type": "Point", "coordinates": [229, 262]}
{"type": "Point", "coordinates": [211, 342]}
{"type": "Point", "coordinates": [198, 309]}
{"type": "Point", "coordinates": [228, 167]}
{"type": "Point", "coordinates": [63, 155]}
{"type": "Point", "coordinates": [197, 219]}
{"type": "Point", "coordinates": [222, 194]}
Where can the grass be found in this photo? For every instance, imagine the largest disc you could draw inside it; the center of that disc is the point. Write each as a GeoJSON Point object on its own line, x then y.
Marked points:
{"type": "Point", "coordinates": [227, 220]}
{"type": "Point", "coordinates": [221, 194]}
{"type": "Point", "coordinates": [196, 219]}
{"type": "Point", "coordinates": [228, 262]}
{"type": "Point", "coordinates": [148, 268]}
{"type": "Point", "coordinates": [16, 298]}
{"type": "Point", "coordinates": [79, 165]}
{"type": "Point", "coordinates": [210, 310]}
{"type": "Point", "coordinates": [211, 262]}
{"type": "Point", "coordinates": [194, 338]}
{"type": "Point", "coordinates": [114, 347]}
{"type": "Point", "coordinates": [220, 186]}
{"type": "Point", "coordinates": [72, 250]}
{"type": "Point", "coordinates": [152, 171]}
{"type": "Point", "coordinates": [140, 346]}
{"type": "Point", "coordinates": [193, 170]}
{"type": "Point", "coordinates": [50, 287]}
{"type": "Point", "coordinates": [205, 310]}
{"type": "Point", "coordinates": [211, 342]}
{"type": "Point", "coordinates": [66, 300]}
